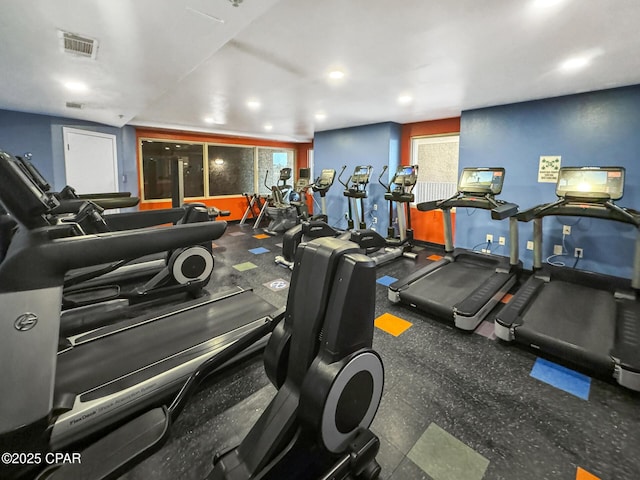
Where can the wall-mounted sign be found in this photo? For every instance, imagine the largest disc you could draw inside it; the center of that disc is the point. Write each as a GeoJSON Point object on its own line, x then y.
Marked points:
{"type": "Point", "coordinates": [548, 169]}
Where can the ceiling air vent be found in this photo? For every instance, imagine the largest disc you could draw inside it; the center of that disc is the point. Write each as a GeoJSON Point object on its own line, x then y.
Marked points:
{"type": "Point", "coordinates": [78, 45]}
{"type": "Point", "coordinates": [74, 105]}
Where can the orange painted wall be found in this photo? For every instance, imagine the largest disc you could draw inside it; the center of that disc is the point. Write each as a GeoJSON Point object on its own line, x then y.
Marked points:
{"type": "Point", "coordinates": [236, 204]}
{"type": "Point", "coordinates": [427, 226]}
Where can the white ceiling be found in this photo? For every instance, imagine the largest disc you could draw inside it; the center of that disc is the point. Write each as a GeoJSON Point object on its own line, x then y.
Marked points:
{"type": "Point", "coordinates": [168, 63]}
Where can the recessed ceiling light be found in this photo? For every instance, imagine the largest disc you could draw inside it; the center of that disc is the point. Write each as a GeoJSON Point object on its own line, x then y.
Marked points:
{"type": "Point", "coordinates": [167, 148]}
{"type": "Point", "coordinates": [545, 3]}
{"type": "Point", "coordinates": [405, 99]}
{"type": "Point", "coordinates": [321, 116]}
{"type": "Point", "coordinates": [218, 161]}
{"type": "Point", "coordinates": [254, 104]}
{"type": "Point", "coordinates": [336, 74]}
{"type": "Point", "coordinates": [76, 86]}
{"type": "Point", "coordinates": [574, 63]}
{"type": "Point", "coordinates": [177, 146]}
{"type": "Point", "coordinates": [268, 127]}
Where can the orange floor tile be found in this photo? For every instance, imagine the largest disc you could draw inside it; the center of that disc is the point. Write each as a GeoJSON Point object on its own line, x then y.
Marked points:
{"type": "Point", "coordinates": [584, 475]}
{"type": "Point", "coordinates": [392, 324]}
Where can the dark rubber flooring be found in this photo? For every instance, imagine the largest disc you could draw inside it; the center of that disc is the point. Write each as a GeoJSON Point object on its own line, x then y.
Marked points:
{"type": "Point", "coordinates": [473, 388]}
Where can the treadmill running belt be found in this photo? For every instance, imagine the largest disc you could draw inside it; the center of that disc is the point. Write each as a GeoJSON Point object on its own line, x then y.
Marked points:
{"type": "Point", "coordinates": [90, 365]}
{"type": "Point", "coordinates": [578, 315]}
{"type": "Point", "coordinates": [438, 292]}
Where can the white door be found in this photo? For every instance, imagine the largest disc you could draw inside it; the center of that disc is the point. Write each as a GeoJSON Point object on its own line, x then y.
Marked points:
{"type": "Point", "coordinates": [91, 161]}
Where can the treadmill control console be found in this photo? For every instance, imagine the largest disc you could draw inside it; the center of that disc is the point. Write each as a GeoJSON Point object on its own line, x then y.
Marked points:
{"type": "Point", "coordinates": [21, 196]}
{"type": "Point", "coordinates": [590, 182]}
{"type": "Point", "coordinates": [481, 181]}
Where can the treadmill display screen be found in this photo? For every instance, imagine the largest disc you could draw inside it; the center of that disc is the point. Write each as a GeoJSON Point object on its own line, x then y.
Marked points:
{"type": "Point", "coordinates": [481, 180]}
{"type": "Point", "coordinates": [591, 182]}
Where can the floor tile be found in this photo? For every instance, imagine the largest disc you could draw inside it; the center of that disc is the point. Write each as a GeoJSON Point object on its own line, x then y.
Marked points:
{"type": "Point", "coordinates": [507, 298]}
{"type": "Point", "coordinates": [259, 250]}
{"type": "Point", "coordinates": [277, 285]}
{"type": "Point", "coordinates": [407, 470]}
{"type": "Point", "coordinates": [243, 267]}
{"type": "Point", "coordinates": [582, 474]}
{"type": "Point", "coordinates": [391, 324]}
{"type": "Point", "coordinates": [444, 457]}
{"type": "Point", "coordinates": [486, 329]}
{"type": "Point", "coordinates": [386, 280]}
{"type": "Point", "coordinates": [261, 236]}
{"type": "Point", "coordinates": [562, 377]}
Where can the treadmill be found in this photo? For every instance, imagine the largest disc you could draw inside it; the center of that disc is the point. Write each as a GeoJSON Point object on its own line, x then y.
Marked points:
{"type": "Point", "coordinates": [583, 318]}
{"type": "Point", "coordinates": [56, 393]}
{"type": "Point", "coordinates": [465, 284]}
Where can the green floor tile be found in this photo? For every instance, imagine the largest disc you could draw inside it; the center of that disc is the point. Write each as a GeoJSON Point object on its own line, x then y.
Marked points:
{"type": "Point", "coordinates": [243, 267]}
{"type": "Point", "coordinates": [444, 457]}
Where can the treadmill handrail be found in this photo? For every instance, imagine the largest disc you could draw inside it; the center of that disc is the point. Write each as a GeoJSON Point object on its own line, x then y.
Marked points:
{"type": "Point", "coordinates": [35, 251]}
{"type": "Point", "coordinates": [603, 209]}
{"type": "Point", "coordinates": [213, 363]}
{"type": "Point", "coordinates": [485, 202]}
{"type": "Point", "coordinates": [144, 218]}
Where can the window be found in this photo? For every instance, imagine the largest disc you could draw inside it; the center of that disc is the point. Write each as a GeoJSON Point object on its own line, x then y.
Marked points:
{"type": "Point", "coordinates": [157, 160]}
{"type": "Point", "coordinates": [273, 160]}
{"type": "Point", "coordinates": [437, 160]}
{"type": "Point", "coordinates": [231, 170]}
{"type": "Point", "coordinates": [228, 169]}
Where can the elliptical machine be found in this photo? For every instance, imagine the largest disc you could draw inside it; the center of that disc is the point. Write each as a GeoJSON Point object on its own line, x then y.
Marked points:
{"type": "Point", "coordinates": [282, 214]}
{"type": "Point", "coordinates": [400, 192]}
{"type": "Point", "coordinates": [329, 379]}
{"type": "Point", "coordinates": [292, 237]}
{"type": "Point", "coordinates": [322, 185]}
{"type": "Point", "coordinates": [354, 189]}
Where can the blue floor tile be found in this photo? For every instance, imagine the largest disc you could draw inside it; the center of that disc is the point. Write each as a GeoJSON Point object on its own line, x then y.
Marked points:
{"type": "Point", "coordinates": [259, 250]}
{"type": "Point", "coordinates": [561, 377]}
{"type": "Point", "coordinates": [386, 280]}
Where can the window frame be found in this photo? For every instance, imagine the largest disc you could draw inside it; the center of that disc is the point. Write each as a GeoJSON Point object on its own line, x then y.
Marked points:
{"type": "Point", "coordinates": [431, 139]}
{"type": "Point", "coordinates": [205, 166]}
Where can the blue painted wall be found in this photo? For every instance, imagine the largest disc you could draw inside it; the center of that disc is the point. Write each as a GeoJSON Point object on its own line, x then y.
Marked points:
{"type": "Point", "coordinates": [376, 145]}
{"type": "Point", "coordinates": [598, 128]}
{"type": "Point", "coordinates": [42, 136]}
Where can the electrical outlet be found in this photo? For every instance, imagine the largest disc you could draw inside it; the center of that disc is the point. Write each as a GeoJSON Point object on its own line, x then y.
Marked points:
{"type": "Point", "coordinates": [578, 253]}
{"type": "Point", "coordinates": [375, 207]}
{"type": "Point", "coordinates": [502, 240]}
{"type": "Point", "coordinates": [489, 237]}
{"type": "Point", "coordinates": [529, 245]}
{"type": "Point", "coordinates": [557, 249]}
{"type": "Point", "coordinates": [566, 229]}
